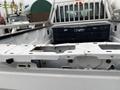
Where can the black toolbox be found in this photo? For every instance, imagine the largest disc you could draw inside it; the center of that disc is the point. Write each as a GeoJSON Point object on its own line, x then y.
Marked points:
{"type": "Point", "coordinates": [81, 33]}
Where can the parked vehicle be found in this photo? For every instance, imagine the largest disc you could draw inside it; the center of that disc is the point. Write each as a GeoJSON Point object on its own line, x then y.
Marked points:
{"type": "Point", "coordinates": [17, 20]}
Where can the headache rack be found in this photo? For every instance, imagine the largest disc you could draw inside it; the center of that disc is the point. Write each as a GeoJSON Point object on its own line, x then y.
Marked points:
{"type": "Point", "coordinates": [80, 10]}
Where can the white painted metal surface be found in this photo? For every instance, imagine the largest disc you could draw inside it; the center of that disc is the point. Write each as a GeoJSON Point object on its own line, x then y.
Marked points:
{"type": "Point", "coordinates": [95, 66]}
{"type": "Point", "coordinates": [27, 24]}
{"type": "Point", "coordinates": [25, 53]}
{"type": "Point", "coordinates": [15, 28]}
{"type": "Point", "coordinates": [42, 79]}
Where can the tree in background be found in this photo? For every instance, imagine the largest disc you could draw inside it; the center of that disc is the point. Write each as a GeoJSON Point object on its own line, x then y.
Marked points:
{"type": "Point", "coordinates": [6, 8]}
{"type": "Point", "coordinates": [14, 7]}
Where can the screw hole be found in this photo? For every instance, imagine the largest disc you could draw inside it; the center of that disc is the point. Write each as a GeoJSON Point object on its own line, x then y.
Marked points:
{"type": "Point", "coordinates": [108, 61]}
{"type": "Point", "coordinates": [115, 28]}
{"type": "Point", "coordinates": [70, 61]}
